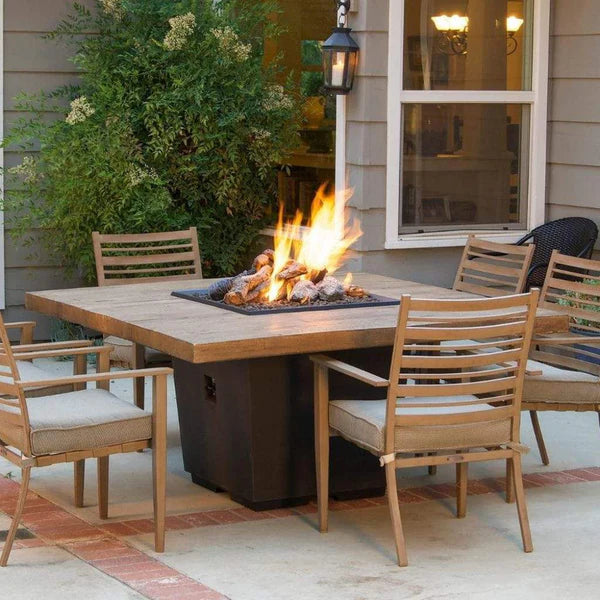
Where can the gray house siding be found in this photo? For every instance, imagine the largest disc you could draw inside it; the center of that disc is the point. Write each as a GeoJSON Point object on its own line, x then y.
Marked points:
{"type": "Point", "coordinates": [573, 144]}
{"type": "Point", "coordinates": [31, 64]}
{"type": "Point", "coordinates": [574, 114]}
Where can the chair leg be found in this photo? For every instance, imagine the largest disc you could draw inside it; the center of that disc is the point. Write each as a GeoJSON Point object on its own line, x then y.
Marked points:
{"type": "Point", "coordinates": [79, 481]}
{"type": "Point", "coordinates": [12, 532]}
{"type": "Point", "coordinates": [392, 495]}
{"type": "Point", "coordinates": [321, 400]}
{"type": "Point", "coordinates": [159, 459]}
{"type": "Point", "coordinates": [461, 489]}
{"type": "Point", "coordinates": [139, 362]}
{"type": "Point", "coordinates": [103, 487]}
{"type": "Point", "coordinates": [432, 468]}
{"type": "Point", "coordinates": [510, 489]}
{"type": "Point", "coordinates": [521, 505]}
{"type": "Point", "coordinates": [539, 436]}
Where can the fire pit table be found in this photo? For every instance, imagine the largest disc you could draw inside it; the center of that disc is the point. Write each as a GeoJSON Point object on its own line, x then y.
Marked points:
{"type": "Point", "coordinates": [244, 382]}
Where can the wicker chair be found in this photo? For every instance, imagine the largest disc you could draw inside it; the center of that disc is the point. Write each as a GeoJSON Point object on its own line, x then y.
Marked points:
{"type": "Point", "coordinates": [571, 236]}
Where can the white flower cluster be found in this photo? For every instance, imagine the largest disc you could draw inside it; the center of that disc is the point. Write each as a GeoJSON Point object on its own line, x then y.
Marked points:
{"type": "Point", "coordinates": [260, 135]}
{"type": "Point", "coordinates": [81, 109]}
{"type": "Point", "coordinates": [112, 7]}
{"type": "Point", "coordinates": [181, 28]}
{"type": "Point", "coordinates": [138, 175]}
{"type": "Point", "coordinates": [277, 99]}
{"type": "Point", "coordinates": [230, 44]}
{"type": "Point", "coordinates": [27, 170]}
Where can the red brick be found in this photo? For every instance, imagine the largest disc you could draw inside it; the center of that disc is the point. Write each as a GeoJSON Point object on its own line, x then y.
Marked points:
{"type": "Point", "coordinates": [534, 480]}
{"type": "Point", "coordinates": [585, 474]}
{"type": "Point", "coordinates": [141, 525]}
{"type": "Point", "coordinates": [139, 558]}
{"type": "Point", "coordinates": [225, 517]}
{"type": "Point", "coordinates": [199, 519]}
{"type": "Point", "coordinates": [496, 484]}
{"type": "Point", "coordinates": [406, 497]}
{"type": "Point", "coordinates": [174, 523]}
{"type": "Point", "coordinates": [306, 509]}
{"type": "Point", "coordinates": [252, 515]}
{"type": "Point", "coordinates": [118, 529]}
{"type": "Point", "coordinates": [448, 489]}
{"type": "Point", "coordinates": [561, 477]}
{"type": "Point", "coordinates": [282, 512]}
{"type": "Point", "coordinates": [361, 503]}
{"type": "Point", "coordinates": [336, 505]}
{"type": "Point", "coordinates": [476, 487]}
{"type": "Point", "coordinates": [428, 492]}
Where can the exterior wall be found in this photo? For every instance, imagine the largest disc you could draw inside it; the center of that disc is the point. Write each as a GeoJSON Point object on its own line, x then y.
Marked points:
{"type": "Point", "coordinates": [574, 116]}
{"type": "Point", "coordinates": [366, 158]}
{"type": "Point", "coordinates": [31, 64]}
{"type": "Point", "coordinates": [573, 145]}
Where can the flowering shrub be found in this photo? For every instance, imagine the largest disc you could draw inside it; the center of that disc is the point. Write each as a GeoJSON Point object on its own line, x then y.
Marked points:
{"type": "Point", "coordinates": [177, 122]}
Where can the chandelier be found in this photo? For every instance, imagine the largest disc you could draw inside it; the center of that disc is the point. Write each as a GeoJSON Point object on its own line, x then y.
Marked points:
{"type": "Point", "coordinates": [453, 33]}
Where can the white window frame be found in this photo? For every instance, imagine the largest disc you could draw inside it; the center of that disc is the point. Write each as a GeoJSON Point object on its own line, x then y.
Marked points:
{"type": "Point", "coordinates": [537, 99]}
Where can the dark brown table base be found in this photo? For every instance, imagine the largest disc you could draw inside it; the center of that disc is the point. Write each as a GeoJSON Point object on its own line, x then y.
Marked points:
{"type": "Point", "coordinates": [247, 429]}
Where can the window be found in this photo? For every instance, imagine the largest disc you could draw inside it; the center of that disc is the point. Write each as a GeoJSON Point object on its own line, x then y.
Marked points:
{"type": "Point", "coordinates": [466, 119]}
{"type": "Point", "coordinates": [306, 25]}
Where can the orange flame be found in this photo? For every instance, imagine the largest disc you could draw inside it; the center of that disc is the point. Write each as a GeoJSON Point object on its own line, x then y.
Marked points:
{"type": "Point", "coordinates": [322, 244]}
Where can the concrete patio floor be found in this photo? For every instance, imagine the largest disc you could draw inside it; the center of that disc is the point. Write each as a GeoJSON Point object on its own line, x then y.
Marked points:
{"type": "Point", "coordinates": [217, 549]}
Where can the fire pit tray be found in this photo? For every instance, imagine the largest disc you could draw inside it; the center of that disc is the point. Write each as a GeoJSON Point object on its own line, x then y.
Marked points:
{"type": "Point", "coordinates": [284, 307]}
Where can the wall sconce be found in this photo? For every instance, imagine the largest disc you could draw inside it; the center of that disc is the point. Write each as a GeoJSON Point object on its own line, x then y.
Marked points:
{"type": "Point", "coordinates": [454, 31]}
{"type": "Point", "coordinates": [340, 55]}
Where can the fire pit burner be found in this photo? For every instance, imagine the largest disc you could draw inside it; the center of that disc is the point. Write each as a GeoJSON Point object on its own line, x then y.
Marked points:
{"type": "Point", "coordinates": [283, 306]}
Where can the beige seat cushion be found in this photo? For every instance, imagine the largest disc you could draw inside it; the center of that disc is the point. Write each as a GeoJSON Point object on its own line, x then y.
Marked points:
{"type": "Point", "coordinates": [556, 385]}
{"type": "Point", "coordinates": [362, 422]}
{"type": "Point", "coordinates": [30, 372]}
{"type": "Point", "coordinates": [84, 420]}
{"type": "Point", "coordinates": [123, 352]}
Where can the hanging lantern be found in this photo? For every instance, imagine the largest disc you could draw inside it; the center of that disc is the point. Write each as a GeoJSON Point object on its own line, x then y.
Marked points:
{"type": "Point", "coordinates": [340, 55]}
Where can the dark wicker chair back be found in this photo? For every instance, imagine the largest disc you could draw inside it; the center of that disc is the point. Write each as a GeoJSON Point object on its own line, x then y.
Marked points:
{"type": "Point", "coordinates": [572, 236]}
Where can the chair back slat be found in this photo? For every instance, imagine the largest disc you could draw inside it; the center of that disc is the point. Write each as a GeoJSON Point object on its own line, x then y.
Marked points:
{"type": "Point", "coordinates": [14, 418]}
{"type": "Point", "coordinates": [143, 257]}
{"type": "Point", "coordinates": [572, 286]}
{"type": "Point", "coordinates": [461, 377]}
{"type": "Point", "coordinates": [490, 269]}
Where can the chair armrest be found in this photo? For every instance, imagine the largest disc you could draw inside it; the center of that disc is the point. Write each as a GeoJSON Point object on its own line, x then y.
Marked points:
{"type": "Point", "coordinates": [351, 371]}
{"type": "Point", "coordinates": [63, 352]}
{"type": "Point", "coordinates": [565, 341]}
{"type": "Point", "coordinates": [533, 372]}
{"type": "Point", "coordinates": [89, 377]}
{"type": "Point", "coordinates": [52, 346]}
{"type": "Point", "coordinates": [26, 328]}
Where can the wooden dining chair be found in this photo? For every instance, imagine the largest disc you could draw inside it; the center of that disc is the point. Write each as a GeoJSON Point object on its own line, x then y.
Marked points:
{"type": "Point", "coordinates": [567, 365]}
{"type": "Point", "coordinates": [139, 258]}
{"type": "Point", "coordinates": [73, 426]}
{"type": "Point", "coordinates": [490, 269]}
{"type": "Point", "coordinates": [430, 410]}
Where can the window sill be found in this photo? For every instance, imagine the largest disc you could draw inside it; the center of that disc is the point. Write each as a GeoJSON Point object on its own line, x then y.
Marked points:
{"type": "Point", "coordinates": [451, 239]}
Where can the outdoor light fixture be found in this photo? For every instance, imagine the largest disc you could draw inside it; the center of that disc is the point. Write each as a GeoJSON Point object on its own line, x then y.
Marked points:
{"type": "Point", "coordinates": [340, 55]}
{"type": "Point", "coordinates": [454, 30]}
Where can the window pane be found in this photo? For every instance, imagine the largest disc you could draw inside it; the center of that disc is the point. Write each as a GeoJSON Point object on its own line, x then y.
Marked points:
{"type": "Point", "coordinates": [306, 25]}
{"type": "Point", "coordinates": [464, 166]}
{"type": "Point", "coordinates": [468, 44]}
